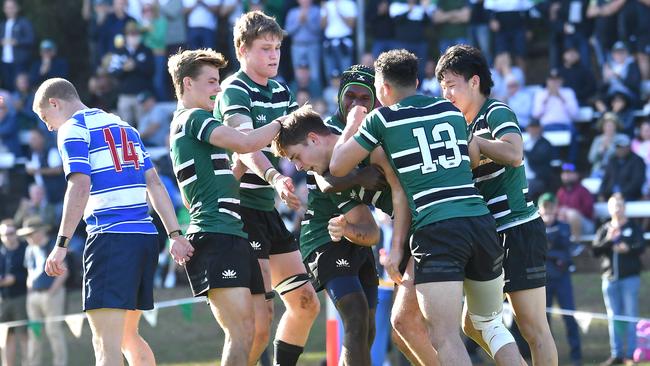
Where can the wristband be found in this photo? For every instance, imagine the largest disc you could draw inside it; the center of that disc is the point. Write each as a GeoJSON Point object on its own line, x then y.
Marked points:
{"type": "Point", "coordinates": [269, 174]}
{"type": "Point", "coordinates": [62, 241]}
{"type": "Point", "coordinates": [179, 231]}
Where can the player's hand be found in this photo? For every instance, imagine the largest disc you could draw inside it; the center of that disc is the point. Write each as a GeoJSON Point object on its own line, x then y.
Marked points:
{"type": "Point", "coordinates": [55, 265]}
{"type": "Point", "coordinates": [372, 178]}
{"type": "Point", "coordinates": [285, 188]}
{"type": "Point", "coordinates": [336, 227]}
{"type": "Point", "coordinates": [181, 250]}
{"type": "Point", "coordinates": [238, 168]}
{"type": "Point", "coordinates": [356, 115]}
{"type": "Point", "coordinates": [391, 261]}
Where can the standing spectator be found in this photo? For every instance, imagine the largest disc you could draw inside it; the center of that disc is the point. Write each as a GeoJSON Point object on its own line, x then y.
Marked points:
{"type": "Point", "coordinates": [133, 67]}
{"type": "Point", "coordinates": [641, 147]}
{"type": "Point", "coordinates": [621, 74]}
{"type": "Point", "coordinates": [575, 203]}
{"type": "Point", "coordinates": [113, 24]}
{"type": "Point", "coordinates": [538, 154]}
{"type": "Point", "coordinates": [605, 14]}
{"type": "Point", "coordinates": [519, 99]}
{"type": "Point", "coordinates": [45, 294]}
{"type": "Point", "coordinates": [201, 22]}
{"type": "Point", "coordinates": [558, 270]}
{"type": "Point", "coordinates": [642, 35]}
{"type": "Point", "coordinates": [17, 37]}
{"type": "Point", "coordinates": [625, 173]}
{"type": "Point", "coordinates": [604, 145]}
{"type": "Point", "coordinates": [13, 289]}
{"type": "Point", "coordinates": [22, 99]}
{"type": "Point", "coordinates": [452, 18]}
{"type": "Point", "coordinates": [176, 37]}
{"type": "Point", "coordinates": [430, 85]}
{"type": "Point", "coordinates": [619, 243]}
{"type": "Point", "coordinates": [231, 10]}
{"type": "Point", "coordinates": [338, 18]}
{"type": "Point", "coordinates": [46, 166]}
{"type": "Point", "coordinates": [479, 30]}
{"type": "Point", "coordinates": [49, 65]}
{"type": "Point", "coordinates": [502, 69]}
{"type": "Point", "coordinates": [508, 22]}
{"type": "Point", "coordinates": [411, 18]}
{"type": "Point", "coordinates": [154, 28]}
{"type": "Point", "coordinates": [154, 123]}
{"type": "Point", "coordinates": [9, 129]}
{"type": "Point", "coordinates": [576, 76]}
{"type": "Point", "coordinates": [569, 28]}
{"type": "Point", "coordinates": [103, 94]}
{"type": "Point", "coordinates": [36, 205]}
{"type": "Point", "coordinates": [303, 26]}
{"type": "Point", "coordinates": [381, 27]}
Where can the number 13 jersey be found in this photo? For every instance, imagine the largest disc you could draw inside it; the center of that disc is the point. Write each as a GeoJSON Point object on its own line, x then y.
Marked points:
{"type": "Point", "coordinates": [426, 141]}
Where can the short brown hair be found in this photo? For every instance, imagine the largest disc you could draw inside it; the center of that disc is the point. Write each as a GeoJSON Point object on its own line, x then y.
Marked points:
{"type": "Point", "coordinates": [189, 62]}
{"type": "Point", "coordinates": [296, 127]}
{"type": "Point", "coordinates": [55, 88]}
{"type": "Point", "coordinates": [253, 25]}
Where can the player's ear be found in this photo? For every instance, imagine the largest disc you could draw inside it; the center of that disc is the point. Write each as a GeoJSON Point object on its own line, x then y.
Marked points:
{"type": "Point", "coordinates": [187, 82]}
{"type": "Point", "coordinates": [475, 82]}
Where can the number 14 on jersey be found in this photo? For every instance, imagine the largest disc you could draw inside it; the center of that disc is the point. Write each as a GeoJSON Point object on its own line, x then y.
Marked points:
{"type": "Point", "coordinates": [128, 152]}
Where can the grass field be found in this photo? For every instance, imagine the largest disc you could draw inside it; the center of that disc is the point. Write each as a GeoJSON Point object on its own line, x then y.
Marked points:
{"type": "Point", "coordinates": [179, 341]}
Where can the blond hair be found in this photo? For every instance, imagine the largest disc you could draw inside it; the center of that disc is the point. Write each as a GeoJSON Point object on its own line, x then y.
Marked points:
{"type": "Point", "coordinates": [55, 88]}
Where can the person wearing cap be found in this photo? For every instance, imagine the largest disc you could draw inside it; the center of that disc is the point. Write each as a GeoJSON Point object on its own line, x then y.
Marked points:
{"type": "Point", "coordinates": [13, 290]}
{"type": "Point", "coordinates": [559, 266]}
{"type": "Point", "coordinates": [501, 180]}
{"type": "Point", "coordinates": [49, 65]}
{"type": "Point", "coordinates": [625, 173]}
{"type": "Point", "coordinates": [45, 294]}
{"type": "Point", "coordinates": [619, 244]}
{"type": "Point", "coordinates": [110, 182]}
{"type": "Point", "coordinates": [621, 74]}
{"type": "Point", "coordinates": [575, 203]}
{"type": "Point", "coordinates": [603, 146]}
{"type": "Point", "coordinates": [555, 106]}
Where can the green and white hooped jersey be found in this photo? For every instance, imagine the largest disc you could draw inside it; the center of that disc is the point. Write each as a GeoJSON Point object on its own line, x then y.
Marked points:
{"type": "Point", "coordinates": [379, 199]}
{"type": "Point", "coordinates": [504, 188]}
{"type": "Point", "coordinates": [321, 207]}
{"type": "Point", "coordinates": [203, 174]}
{"type": "Point", "coordinates": [426, 142]}
{"type": "Point", "coordinates": [262, 104]}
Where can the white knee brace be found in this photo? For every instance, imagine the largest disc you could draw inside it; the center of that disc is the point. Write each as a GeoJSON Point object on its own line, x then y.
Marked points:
{"type": "Point", "coordinates": [493, 331]}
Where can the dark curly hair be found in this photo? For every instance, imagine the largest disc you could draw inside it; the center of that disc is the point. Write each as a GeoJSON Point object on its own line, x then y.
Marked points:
{"type": "Point", "coordinates": [399, 67]}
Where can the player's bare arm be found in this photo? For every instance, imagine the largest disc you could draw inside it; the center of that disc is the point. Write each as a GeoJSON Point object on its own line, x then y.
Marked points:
{"type": "Point", "coordinates": [74, 202]}
{"type": "Point", "coordinates": [401, 214]}
{"type": "Point", "coordinates": [346, 156]}
{"type": "Point", "coordinates": [244, 141]}
{"type": "Point", "coordinates": [180, 249]}
{"type": "Point", "coordinates": [357, 225]}
{"type": "Point", "coordinates": [506, 150]}
{"type": "Point", "coordinates": [368, 177]}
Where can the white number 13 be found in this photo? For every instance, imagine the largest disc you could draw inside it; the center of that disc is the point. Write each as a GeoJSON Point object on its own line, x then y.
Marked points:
{"type": "Point", "coordinates": [428, 164]}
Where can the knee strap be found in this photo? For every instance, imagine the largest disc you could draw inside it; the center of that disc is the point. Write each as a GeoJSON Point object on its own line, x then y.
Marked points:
{"type": "Point", "coordinates": [493, 331]}
{"type": "Point", "coordinates": [291, 283]}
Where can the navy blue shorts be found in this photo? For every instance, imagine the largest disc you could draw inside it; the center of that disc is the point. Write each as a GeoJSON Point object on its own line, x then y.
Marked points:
{"type": "Point", "coordinates": [119, 270]}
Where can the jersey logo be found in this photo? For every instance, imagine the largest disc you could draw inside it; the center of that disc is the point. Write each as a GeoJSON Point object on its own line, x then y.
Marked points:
{"type": "Point", "coordinates": [256, 245]}
{"type": "Point", "coordinates": [342, 263]}
{"type": "Point", "coordinates": [353, 194]}
{"type": "Point", "coordinates": [261, 118]}
{"type": "Point", "coordinates": [229, 274]}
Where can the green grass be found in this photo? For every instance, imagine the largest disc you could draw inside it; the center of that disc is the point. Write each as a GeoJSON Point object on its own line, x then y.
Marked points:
{"type": "Point", "coordinates": [182, 342]}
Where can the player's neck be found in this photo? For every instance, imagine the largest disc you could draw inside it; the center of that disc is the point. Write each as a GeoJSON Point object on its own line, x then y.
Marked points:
{"type": "Point", "coordinates": [474, 107]}
{"type": "Point", "coordinates": [401, 94]}
{"type": "Point", "coordinates": [74, 107]}
{"type": "Point", "coordinates": [254, 75]}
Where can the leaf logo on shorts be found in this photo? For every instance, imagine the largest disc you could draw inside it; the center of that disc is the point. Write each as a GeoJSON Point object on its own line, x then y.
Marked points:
{"type": "Point", "coordinates": [256, 245]}
{"type": "Point", "coordinates": [342, 263]}
{"type": "Point", "coordinates": [229, 273]}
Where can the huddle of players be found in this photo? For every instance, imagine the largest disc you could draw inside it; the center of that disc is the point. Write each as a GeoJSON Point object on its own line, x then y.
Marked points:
{"type": "Point", "coordinates": [445, 169]}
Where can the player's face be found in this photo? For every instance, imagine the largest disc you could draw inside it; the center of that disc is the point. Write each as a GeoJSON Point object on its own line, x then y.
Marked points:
{"type": "Point", "coordinates": [456, 89]}
{"type": "Point", "coordinates": [355, 95]}
{"type": "Point", "coordinates": [309, 156]}
{"type": "Point", "coordinates": [381, 90]}
{"type": "Point", "coordinates": [50, 115]}
{"type": "Point", "coordinates": [204, 88]}
{"type": "Point", "coordinates": [263, 56]}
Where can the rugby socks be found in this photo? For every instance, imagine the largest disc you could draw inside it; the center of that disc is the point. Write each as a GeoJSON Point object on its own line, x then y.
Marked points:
{"type": "Point", "coordinates": [286, 354]}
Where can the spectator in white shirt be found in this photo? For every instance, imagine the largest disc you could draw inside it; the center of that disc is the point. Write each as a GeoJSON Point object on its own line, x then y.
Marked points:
{"type": "Point", "coordinates": [338, 18]}
{"type": "Point", "coordinates": [201, 22]}
{"type": "Point", "coordinates": [555, 106]}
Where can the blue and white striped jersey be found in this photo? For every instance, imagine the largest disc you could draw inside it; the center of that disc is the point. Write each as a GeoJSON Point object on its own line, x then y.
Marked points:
{"type": "Point", "coordinates": [110, 151]}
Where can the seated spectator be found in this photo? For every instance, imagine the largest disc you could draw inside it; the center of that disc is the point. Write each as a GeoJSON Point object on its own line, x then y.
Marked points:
{"type": "Point", "coordinates": [620, 104]}
{"type": "Point", "coordinates": [621, 74]}
{"type": "Point", "coordinates": [577, 76]}
{"type": "Point", "coordinates": [22, 100]}
{"type": "Point", "coordinates": [46, 167]}
{"type": "Point", "coordinates": [430, 85]}
{"type": "Point", "coordinates": [575, 203]}
{"type": "Point", "coordinates": [103, 93]}
{"type": "Point", "coordinates": [154, 29]}
{"type": "Point", "coordinates": [320, 107]}
{"type": "Point", "coordinates": [641, 147]}
{"type": "Point", "coordinates": [49, 65]}
{"type": "Point", "coordinates": [13, 305]}
{"type": "Point", "coordinates": [604, 145]}
{"type": "Point", "coordinates": [36, 205]}
{"type": "Point", "coordinates": [302, 79]}
{"type": "Point", "coordinates": [625, 173]}
{"type": "Point", "coordinates": [538, 154]}
{"type": "Point", "coordinates": [45, 294]}
{"type": "Point", "coordinates": [302, 96]}
{"type": "Point", "coordinates": [502, 69]}
{"type": "Point", "coordinates": [519, 99]}
{"type": "Point", "coordinates": [619, 243]}
{"type": "Point", "coordinates": [9, 129]}
{"type": "Point", "coordinates": [154, 123]}
{"type": "Point", "coordinates": [559, 266]}
{"type": "Point", "coordinates": [555, 106]}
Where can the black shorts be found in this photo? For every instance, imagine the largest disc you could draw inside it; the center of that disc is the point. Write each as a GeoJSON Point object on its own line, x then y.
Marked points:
{"type": "Point", "coordinates": [222, 261]}
{"type": "Point", "coordinates": [525, 259]}
{"type": "Point", "coordinates": [458, 248]}
{"type": "Point", "coordinates": [406, 256]}
{"type": "Point", "coordinates": [267, 234]}
{"type": "Point", "coordinates": [338, 259]}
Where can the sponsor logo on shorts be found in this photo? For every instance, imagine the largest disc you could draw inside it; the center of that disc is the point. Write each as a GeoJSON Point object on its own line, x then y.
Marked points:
{"type": "Point", "coordinates": [256, 245]}
{"type": "Point", "coordinates": [229, 274]}
{"type": "Point", "coordinates": [342, 263]}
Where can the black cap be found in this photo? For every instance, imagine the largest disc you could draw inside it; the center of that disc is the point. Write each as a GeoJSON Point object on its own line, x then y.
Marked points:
{"type": "Point", "coordinates": [554, 74]}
